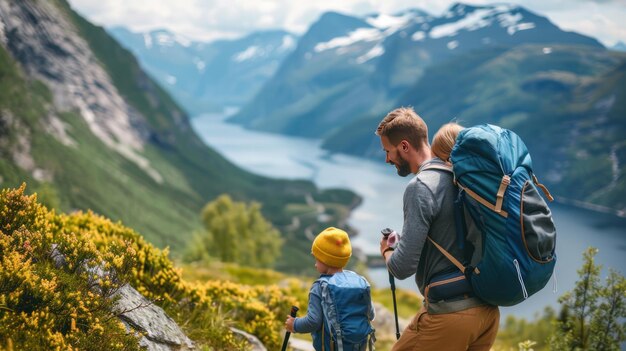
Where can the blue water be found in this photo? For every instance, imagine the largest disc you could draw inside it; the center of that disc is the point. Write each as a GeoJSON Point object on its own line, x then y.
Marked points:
{"type": "Point", "coordinates": [290, 157]}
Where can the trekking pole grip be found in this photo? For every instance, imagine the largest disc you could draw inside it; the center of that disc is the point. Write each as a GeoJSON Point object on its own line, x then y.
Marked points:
{"type": "Point", "coordinates": [386, 232]}
{"type": "Point", "coordinates": [292, 313]}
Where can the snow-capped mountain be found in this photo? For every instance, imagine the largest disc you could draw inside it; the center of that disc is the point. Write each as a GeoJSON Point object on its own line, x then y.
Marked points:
{"type": "Point", "coordinates": [359, 66]}
{"type": "Point", "coordinates": [208, 76]}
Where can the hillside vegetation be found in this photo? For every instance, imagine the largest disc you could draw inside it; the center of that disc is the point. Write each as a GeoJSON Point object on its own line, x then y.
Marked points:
{"type": "Point", "coordinates": [54, 150]}
{"type": "Point", "coordinates": [44, 306]}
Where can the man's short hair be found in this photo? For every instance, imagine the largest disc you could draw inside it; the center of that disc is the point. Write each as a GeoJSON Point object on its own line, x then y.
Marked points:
{"type": "Point", "coordinates": [404, 124]}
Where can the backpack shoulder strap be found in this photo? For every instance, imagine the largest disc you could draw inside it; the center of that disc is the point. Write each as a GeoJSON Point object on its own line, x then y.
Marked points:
{"type": "Point", "coordinates": [330, 312]}
{"type": "Point", "coordinates": [452, 259]}
{"type": "Point", "coordinates": [441, 167]}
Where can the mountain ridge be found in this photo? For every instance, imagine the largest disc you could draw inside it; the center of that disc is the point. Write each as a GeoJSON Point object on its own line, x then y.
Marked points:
{"type": "Point", "coordinates": [207, 77]}
{"type": "Point", "coordinates": [363, 71]}
{"type": "Point", "coordinates": [66, 86]}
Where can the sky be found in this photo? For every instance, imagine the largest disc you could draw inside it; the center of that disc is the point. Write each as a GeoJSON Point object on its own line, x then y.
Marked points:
{"type": "Point", "coordinates": [206, 20]}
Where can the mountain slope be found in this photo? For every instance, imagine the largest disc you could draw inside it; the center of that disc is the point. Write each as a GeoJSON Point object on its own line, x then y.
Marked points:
{"type": "Point", "coordinates": [84, 126]}
{"type": "Point", "coordinates": [346, 67]}
{"type": "Point", "coordinates": [206, 77]}
{"type": "Point", "coordinates": [566, 102]}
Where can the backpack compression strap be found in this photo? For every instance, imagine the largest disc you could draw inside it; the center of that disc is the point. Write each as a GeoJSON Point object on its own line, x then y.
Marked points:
{"type": "Point", "coordinates": [452, 259]}
{"type": "Point", "coordinates": [497, 207]}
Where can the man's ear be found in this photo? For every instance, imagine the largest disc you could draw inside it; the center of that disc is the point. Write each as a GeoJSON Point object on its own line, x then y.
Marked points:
{"type": "Point", "coordinates": [404, 145]}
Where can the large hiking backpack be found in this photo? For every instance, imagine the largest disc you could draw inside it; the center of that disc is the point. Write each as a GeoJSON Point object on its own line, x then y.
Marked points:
{"type": "Point", "coordinates": [493, 171]}
{"type": "Point", "coordinates": [346, 304]}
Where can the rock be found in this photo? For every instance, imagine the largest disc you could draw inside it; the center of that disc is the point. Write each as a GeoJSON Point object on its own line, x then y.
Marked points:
{"type": "Point", "coordinates": [161, 332]}
{"type": "Point", "coordinates": [141, 316]}
{"type": "Point", "coordinates": [254, 342]}
{"type": "Point", "coordinates": [385, 324]}
{"type": "Point", "coordinates": [42, 38]}
{"type": "Point", "coordinates": [300, 344]}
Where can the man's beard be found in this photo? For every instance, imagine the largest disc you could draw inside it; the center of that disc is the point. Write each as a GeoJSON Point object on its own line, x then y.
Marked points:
{"type": "Point", "coordinates": [403, 168]}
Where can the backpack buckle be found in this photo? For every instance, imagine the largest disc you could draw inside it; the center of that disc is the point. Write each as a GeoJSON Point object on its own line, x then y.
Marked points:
{"type": "Point", "coordinates": [469, 270]}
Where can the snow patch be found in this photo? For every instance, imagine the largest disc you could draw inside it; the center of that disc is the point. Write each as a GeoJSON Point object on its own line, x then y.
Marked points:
{"type": "Point", "coordinates": [361, 34]}
{"type": "Point", "coordinates": [168, 39]}
{"type": "Point", "coordinates": [164, 39]}
{"type": "Point", "coordinates": [247, 54]}
{"type": "Point", "coordinates": [518, 27]}
{"type": "Point", "coordinates": [509, 19]}
{"type": "Point", "coordinates": [147, 40]}
{"type": "Point", "coordinates": [418, 36]}
{"type": "Point", "coordinates": [473, 21]}
{"type": "Point", "coordinates": [453, 44]}
{"type": "Point", "coordinates": [547, 51]}
{"type": "Point", "coordinates": [384, 21]}
{"type": "Point", "coordinates": [288, 43]}
{"type": "Point", "coordinates": [376, 51]}
{"type": "Point", "coordinates": [200, 65]}
{"type": "Point", "coordinates": [481, 18]}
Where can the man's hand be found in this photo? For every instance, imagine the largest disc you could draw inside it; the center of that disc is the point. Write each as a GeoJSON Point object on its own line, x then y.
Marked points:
{"type": "Point", "coordinates": [289, 324]}
{"type": "Point", "coordinates": [384, 248]}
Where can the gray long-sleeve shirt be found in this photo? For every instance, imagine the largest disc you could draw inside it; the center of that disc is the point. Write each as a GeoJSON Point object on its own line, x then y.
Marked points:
{"type": "Point", "coordinates": [429, 210]}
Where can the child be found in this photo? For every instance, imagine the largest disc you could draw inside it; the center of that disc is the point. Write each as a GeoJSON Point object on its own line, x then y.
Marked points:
{"type": "Point", "coordinates": [332, 250]}
{"type": "Point", "coordinates": [444, 140]}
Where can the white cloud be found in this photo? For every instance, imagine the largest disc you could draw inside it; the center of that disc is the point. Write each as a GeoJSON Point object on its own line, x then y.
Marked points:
{"type": "Point", "coordinates": [210, 19]}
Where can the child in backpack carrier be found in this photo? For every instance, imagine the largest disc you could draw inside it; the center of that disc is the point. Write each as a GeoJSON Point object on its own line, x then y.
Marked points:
{"type": "Point", "coordinates": [444, 140]}
{"type": "Point", "coordinates": [340, 307]}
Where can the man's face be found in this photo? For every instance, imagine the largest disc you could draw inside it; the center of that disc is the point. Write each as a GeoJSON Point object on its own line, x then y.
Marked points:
{"type": "Point", "coordinates": [395, 157]}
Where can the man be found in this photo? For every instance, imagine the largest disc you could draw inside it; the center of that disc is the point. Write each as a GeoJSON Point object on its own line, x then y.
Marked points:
{"type": "Point", "coordinates": [461, 322]}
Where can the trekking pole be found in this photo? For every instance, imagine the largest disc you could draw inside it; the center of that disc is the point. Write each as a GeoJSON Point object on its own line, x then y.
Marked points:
{"type": "Point", "coordinates": [392, 282]}
{"type": "Point", "coordinates": [293, 312]}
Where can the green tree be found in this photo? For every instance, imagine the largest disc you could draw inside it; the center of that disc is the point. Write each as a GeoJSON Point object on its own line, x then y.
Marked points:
{"type": "Point", "coordinates": [593, 314]}
{"type": "Point", "coordinates": [235, 232]}
{"type": "Point", "coordinates": [606, 330]}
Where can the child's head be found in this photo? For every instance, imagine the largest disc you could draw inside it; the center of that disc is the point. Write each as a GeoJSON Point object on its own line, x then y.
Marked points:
{"type": "Point", "coordinates": [332, 247]}
{"type": "Point", "coordinates": [444, 139]}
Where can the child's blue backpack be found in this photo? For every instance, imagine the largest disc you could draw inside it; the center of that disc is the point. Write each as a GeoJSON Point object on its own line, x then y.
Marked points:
{"type": "Point", "coordinates": [493, 171]}
{"type": "Point", "coordinates": [346, 302]}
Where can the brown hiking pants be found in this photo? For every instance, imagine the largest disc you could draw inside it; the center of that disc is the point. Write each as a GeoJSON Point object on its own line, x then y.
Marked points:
{"type": "Point", "coordinates": [473, 329]}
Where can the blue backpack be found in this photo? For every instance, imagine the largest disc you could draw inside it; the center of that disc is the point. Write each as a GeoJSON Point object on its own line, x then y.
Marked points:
{"type": "Point", "coordinates": [346, 302]}
{"type": "Point", "coordinates": [497, 187]}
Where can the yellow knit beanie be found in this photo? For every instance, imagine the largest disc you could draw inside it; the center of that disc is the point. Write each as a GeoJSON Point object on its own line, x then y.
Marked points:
{"type": "Point", "coordinates": [332, 247]}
